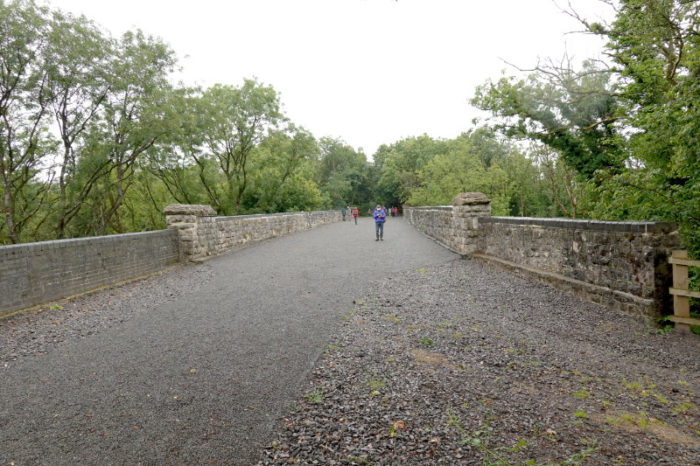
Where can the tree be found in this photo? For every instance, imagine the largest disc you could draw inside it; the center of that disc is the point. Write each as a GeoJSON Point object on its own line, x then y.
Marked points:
{"type": "Point", "coordinates": [654, 47]}
{"type": "Point", "coordinates": [236, 119]}
{"type": "Point", "coordinates": [574, 113]}
{"type": "Point", "coordinates": [283, 172]}
{"type": "Point", "coordinates": [77, 60]}
{"type": "Point", "coordinates": [25, 143]}
{"type": "Point", "coordinates": [132, 122]}
{"type": "Point", "coordinates": [343, 174]}
{"type": "Point", "coordinates": [399, 165]}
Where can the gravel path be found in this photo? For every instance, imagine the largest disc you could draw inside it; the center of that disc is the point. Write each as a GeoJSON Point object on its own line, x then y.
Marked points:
{"type": "Point", "coordinates": [461, 363]}
{"type": "Point", "coordinates": [194, 365]}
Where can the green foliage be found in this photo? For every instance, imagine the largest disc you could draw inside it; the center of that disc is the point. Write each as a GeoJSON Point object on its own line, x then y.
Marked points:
{"type": "Point", "coordinates": [343, 175]}
{"type": "Point", "coordinates": [573, 113]}
{"type": "Point", "coordinates": [125, 143]}
{"type": "Point", "coordinates": [317, 396]}
{"type": "Point", "coordinates": [399, 165]}
{"type": "Point", "coordinates": [654, 45]}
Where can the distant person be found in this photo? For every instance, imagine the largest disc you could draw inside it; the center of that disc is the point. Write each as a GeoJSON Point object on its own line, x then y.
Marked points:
{"type": "Point", "coordinates": [343, 212]}
{"type": "Point", "coordinates": [396, 211]}
{"type": "Point", "coordinates": [379, 218]}
{"type": "Point", "coordinates": [355, 214]}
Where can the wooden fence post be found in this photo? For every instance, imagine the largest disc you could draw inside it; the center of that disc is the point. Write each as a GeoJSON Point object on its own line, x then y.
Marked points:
{"type": "Point", "coordinates": [681, 304]}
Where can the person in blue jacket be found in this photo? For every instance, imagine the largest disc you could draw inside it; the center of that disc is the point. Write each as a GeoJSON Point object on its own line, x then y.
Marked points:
{"type": "Point", "coordinates": [379, 217]}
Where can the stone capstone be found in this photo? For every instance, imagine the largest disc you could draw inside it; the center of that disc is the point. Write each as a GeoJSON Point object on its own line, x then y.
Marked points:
{"type": "Point", "coordinates": [470, 199]}
{"type": "Point", "coordinates": [198, 210]}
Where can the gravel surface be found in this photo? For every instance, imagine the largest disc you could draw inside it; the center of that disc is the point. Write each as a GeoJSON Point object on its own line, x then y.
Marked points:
{"type": "Point", "coordinates": [461, 363]}
{"type": "Point", "coordinates": [44, 328]}
{"type": "Point", "coordinates": [194, 365]}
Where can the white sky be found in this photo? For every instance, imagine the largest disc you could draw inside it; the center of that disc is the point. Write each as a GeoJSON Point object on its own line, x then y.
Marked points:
{"type": "Point", "coordinates": [368, 71]}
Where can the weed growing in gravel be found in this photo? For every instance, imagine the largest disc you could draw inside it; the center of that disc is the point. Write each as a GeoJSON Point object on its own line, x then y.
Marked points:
{"type": "Point", "coordinates": [580, 414]}
{"type": "Point", "coordinates": [682, 408]}
{"type": "Point", "coordinates": [392, 318]}
{"type": "Point", "coordinates": [582, 393]}
{"type": "Point", "coordinates": [426, 341]}
{"type": "Point", "coordinates": [580, 457]}
{"type": "Point", "coordinates": [498, 456]}
{"type": "Point", "coordinates": [317, 396]}
{"type": "Point", "coordinates": [636, 386]}
{"type": "Point", "coordinates": [504, 456]}
{"type": "Point", "coordinates": [375, 382]}
{"type": "Point", "coordinates": [328, 349]}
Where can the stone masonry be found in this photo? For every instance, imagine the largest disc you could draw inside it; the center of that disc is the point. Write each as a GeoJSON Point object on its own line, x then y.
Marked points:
{"type": "Point", "coordinates": [36, 273]}
{"type": "Point", "coordinates": [202, 234]}
{"type": "Point", "coordinates": [196, 229]}
{"type": "Point", "coordinates": [622, 265]}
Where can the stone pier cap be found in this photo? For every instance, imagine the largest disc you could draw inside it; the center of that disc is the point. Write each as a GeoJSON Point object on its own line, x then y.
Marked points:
{"type": "Point", "coordinates": [201, 210]}
{"type": "Point", "coordinates": [470, 199]}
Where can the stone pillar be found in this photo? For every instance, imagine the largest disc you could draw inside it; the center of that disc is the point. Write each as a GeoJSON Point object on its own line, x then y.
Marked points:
{"type": "Point", "coordinates": [195, 225]}
{"type": "Point", "coordinates": [466, 210]}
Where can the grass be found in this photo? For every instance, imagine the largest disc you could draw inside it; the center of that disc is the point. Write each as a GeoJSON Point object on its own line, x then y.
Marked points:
{"type": "Point", "coordinates": [375, 382]}
{"type": "Point", "coordinates": [317, 396]}
{"type": "Point", "coordinates": [392, 318]}
{"type": "Point", "coordinates": [507, 455]}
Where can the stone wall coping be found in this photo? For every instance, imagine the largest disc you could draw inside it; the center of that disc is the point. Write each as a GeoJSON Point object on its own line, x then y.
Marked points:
{"type": "Point", "coordinates": [470, 199]}
{"type": "Point", "coordinates": [277, 214]}
{"type": "Point", "coordinates": [69, 242]}
{"type": "Point", "coordinates": [578, 224]}
{"type": "Point", "coordinates": [190, 209]}
{"type": "Point", "coordinates": [438, 207]}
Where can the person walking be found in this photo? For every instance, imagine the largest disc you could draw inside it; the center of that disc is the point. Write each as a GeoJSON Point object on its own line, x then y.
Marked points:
{"type": "Point", "coordinates": [343, 211]}
{"type": "Point", "coordinates": [379, 217]}
{"type": "Point", "coordinates": [355, 213]}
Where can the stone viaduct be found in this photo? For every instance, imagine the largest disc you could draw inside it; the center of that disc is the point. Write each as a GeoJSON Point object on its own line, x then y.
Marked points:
{"type": "Point", "coordinates": [621, 265]}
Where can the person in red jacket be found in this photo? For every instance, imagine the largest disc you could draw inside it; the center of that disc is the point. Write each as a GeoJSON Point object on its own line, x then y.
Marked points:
{"type": "Point", "coordinates": [355, 213]}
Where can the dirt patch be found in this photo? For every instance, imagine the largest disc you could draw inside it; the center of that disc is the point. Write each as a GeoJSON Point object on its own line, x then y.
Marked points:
{"type": "Point", "coordinates": [640, 423]}
{"type": "Point", "coordinates": [432, 359]}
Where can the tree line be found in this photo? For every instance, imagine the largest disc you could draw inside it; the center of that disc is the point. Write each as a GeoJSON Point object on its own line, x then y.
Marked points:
{"type": "Point", "coordinates": [96, 139]}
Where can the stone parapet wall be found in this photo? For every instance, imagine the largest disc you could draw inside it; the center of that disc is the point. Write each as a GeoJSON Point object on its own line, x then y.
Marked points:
{"type": "Point", "coordinates": [622, 265]}
{"type": "Point", "coordinates": [203, 235]}
{"type": "Point", "coordinates": [36, 273]}
{"type": "Point", "coordinates": [195, 226]}
{"type": "Point", "coordinates": [435, 222]}
{"type": "Point", "coordinates": [625, 263]}
{"type": "Point", "coordinates": [455, 226]}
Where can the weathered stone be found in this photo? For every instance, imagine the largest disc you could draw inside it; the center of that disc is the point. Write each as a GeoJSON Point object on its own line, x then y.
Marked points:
{"type": "Point", "coordinates": [198, 210]}
{"type": "Point", "coordinates": [462, 199]}
{"type": "Point", "coordinates": [206, 235]}
{"type": "Point", "coordinates": [622, 265]}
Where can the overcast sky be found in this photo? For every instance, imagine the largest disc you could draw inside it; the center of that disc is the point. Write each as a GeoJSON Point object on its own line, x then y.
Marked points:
{"type": "Point", "coordinates": [370, 72]}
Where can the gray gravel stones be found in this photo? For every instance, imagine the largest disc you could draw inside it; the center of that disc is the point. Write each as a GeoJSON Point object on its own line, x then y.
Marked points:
{"type": "Point", "coordinates": [35, 333]}
{"type": "Point", "coordinates": [465, 364]}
